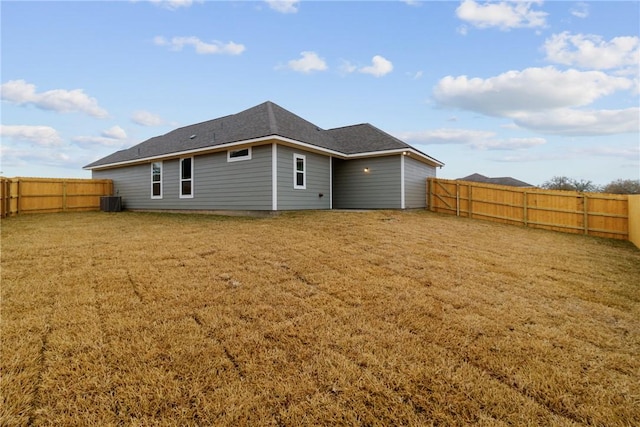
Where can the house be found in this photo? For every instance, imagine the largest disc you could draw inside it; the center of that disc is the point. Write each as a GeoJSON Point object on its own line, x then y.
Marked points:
{"type": "Point", "coordinates": [505, 180]}
{"type": "Point", "coordinates": [269, 159]}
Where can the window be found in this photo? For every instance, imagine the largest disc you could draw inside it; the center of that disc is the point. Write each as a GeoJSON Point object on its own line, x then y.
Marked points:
{"type": "Point", "coordinates": [186, 177]}
{"type": "Point", "coordinates": [299, 171]}
{"type": "Point", "coordinates": [156, 180]}
{"type": "Point", "coordinates": [237, 155]}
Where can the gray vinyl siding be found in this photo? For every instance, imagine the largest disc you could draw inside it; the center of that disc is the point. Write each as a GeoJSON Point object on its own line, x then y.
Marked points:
{"type": "Point", "coordinates": [133, 184]}
{"type": "Point", "coordinates": [377, 189]}
{"type": "Point", "coordinates": [242, 185]}
{"type": "Point", "coordinates": [217, 184]}
{"type": "Point", "coordinates": [318, 181]}
{"type": "Point", "coordinates": [415, 182]}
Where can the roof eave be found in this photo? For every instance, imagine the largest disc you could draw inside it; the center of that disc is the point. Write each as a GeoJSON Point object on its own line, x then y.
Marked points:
{"type": "Point", "coordinates": [399, 151]}
{"type": "Point", "coordinates": [216, 148]}
{"type": "Point", "coordinates": [283, 140]}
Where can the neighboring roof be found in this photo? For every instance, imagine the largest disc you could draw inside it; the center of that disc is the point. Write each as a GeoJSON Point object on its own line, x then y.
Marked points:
{"type": "Point", "coordinates": [264, 120]}
{"type": "Point", "coordinates": [505, 180]}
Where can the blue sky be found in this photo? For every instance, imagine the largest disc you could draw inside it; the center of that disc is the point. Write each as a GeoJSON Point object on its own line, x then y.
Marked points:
{"type": "Point", "coordinates": [523, 89]}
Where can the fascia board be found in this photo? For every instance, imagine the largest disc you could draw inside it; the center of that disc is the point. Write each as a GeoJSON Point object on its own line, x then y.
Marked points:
{"type": "Point", "coordinates": [285, 141]}
{"type": "Point", "coordinates": [412, 151]}
{"type": "Point", "coordinates": [203, 150]}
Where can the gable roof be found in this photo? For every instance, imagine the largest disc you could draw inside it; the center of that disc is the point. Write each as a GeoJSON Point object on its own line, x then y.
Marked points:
{"type": "Point", "coordinates": [504, 180]}
{"type": "Point", "coordinates": [260, 122]}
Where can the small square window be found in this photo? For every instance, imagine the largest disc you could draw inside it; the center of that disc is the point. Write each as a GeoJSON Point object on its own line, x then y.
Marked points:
{"type": "Point", "coordinates": [238, 155]}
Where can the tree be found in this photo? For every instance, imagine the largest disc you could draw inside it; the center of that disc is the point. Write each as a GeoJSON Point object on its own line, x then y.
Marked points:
{"type": "Point", "coordinates": [558, 183]}
{"type": "Point", "coordinates": [585, 186]}
{"type": "Point", "coordinates": [569, 184]}
{"type": "Point", "coordinates": [623, 186]}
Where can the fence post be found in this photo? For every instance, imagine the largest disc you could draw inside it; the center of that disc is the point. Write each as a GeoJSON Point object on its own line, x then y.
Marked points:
{"type": "Point", "coordinates": [64, 196]}
{"type": "Point", "coordinates": [19, 192]}
{"type": "Point", "coordinates": [5, 197]}
{"type": "Point", "coordinates": [585, 205]}
{"type": "Point", "coordinates": [457, 199]}
{"type": "Point", "coordinates": [524, 207]}
{"type": "Point", "coordinates": [2, 194]}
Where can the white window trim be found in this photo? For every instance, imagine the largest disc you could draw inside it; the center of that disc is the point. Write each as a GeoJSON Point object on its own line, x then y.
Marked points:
{"type": "Point", "coordinates": [238, 159]}
{"type": "Point", "coordinates": [180, 180]}
{"type": "Point", "coordinates": [152, 181]}
{"type": "Point", "coordinates": [295, 172]}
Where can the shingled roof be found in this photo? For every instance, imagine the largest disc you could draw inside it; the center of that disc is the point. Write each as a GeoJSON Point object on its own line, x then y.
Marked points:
{"type": "Point", "coordinates": [264, 120]}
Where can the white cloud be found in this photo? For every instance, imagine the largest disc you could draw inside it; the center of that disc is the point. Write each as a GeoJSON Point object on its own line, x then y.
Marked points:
{"type": "Point", "coordinates": [504, 15]}
{"type": "Point", "coordinates": [529, 90]}
{"type": "Point", "coordinates": [415, 3]}
{"type": "Point", "coordinates": [97, 140]}
{"type": "Point", "coordinates": [112, 137]}
{"type": "Point", "coordinates": [524, 156]}
{"type": "Point", "coordinates": [202, 48]}
{"type": "Point", "coordinates": [446, 136]}
{"type": "Point", "coordinates": [173, 4]}
{"type": "Point", "coordinates": [310, 61]}
{"type": "Point", "coordinates": [509, 143]}
{"type": "Point", "coordinates": [43, 136]}
{"type": "Point", "coordinates": [284, 6]}
{"type": "Point", "coordinates": [60, 100]}
{"type": "Point", "coordinates": [347, 67]}
{"type": "Point", "coordinates": [19, 157]}
{"type": "Point", "coordinates": [591, 51]}
{"type": "Point", "coordinates": [580, 10]}
{"type": "Point", "coordinates": [544, 100]}
{"type": "Point", "coordinates": [478, 139]}
{"type": "Point", "coordinates": [115, 132]}
{"type": "Point", "coordinates": [630, 153]}
{"type": "Point", "coordinates": [627, 153]}
{"type": "Point", "coordinates": [567, 121]}
{"type": "Point", "coordinates": [145, 118]}
{"type": "Point", "coordinates": [379, 67]}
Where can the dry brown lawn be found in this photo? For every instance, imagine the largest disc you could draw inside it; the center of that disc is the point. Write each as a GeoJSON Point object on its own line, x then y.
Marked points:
{"type": "Point", "coordinates": [315, 318]}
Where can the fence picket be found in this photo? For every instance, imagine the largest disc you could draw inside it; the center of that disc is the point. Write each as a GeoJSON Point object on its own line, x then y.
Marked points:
{"type": "Point", "coordinates": [596, 214]}
{"type": "Point", "coordinates": [40, 195]}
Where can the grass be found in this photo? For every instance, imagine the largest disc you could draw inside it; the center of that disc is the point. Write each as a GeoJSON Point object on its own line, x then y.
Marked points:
{"type": "Point", "coordinates": [314, 318]}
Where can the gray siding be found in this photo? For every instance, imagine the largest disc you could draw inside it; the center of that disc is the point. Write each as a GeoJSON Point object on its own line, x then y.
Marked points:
{"type": "Point", "coordinates": [318, 181]}
{"type": "Point", "coordinates": [133, 184]}
{"type": "Point", "coordinates": [377, 189]}
{"type": "Point", "coordinates": [241, 185]}
{"type": "Point", "coordinates": [415, 182]}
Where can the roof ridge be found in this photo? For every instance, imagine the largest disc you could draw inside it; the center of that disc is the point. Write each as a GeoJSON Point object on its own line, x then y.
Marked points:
{"type": "Point", "coordinates": [273, 124]}
{"type": "Point", "coordinates": [348, 126]}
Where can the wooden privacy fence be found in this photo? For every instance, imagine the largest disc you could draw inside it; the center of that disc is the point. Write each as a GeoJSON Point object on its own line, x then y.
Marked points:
{"type": "Point", "coordinates": [594, 214]}
{"type": "Point", "coordinates": [46, 195]}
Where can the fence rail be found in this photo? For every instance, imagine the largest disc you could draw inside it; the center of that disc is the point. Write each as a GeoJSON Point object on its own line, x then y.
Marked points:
{"type": "Point", "coordinates": [43, 195]}
{"type": "Point", "coordinates": [594, 214]}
